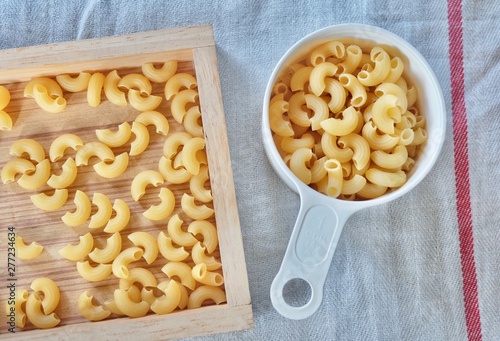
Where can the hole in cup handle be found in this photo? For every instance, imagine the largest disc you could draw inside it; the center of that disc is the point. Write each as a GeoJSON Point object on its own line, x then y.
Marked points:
{"type": "Point", "coordinates": [309, 254]}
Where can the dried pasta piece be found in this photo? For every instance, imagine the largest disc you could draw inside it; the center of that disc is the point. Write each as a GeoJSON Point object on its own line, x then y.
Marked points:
{"type": "Point", "coordinates": [147, 242]}
{"type": "Point", "coordinates": [67, 176]}
{"type": "Point", "coordinates": [35, 314]}
{"type": "Point", "coordinates": [38, 178]}
{"type": "Point", "coordinates": [206, 292]}
{"type": "Point", "coordinates": [82, 211]}
{"type": "Point", "coordinates": [61, 143]}
{"type": "Point", "coordinates": [29, 146]}
{"type": "Point", "coordinates": [51, 294]}
{"type": "Point", "coordinates": [27, 252]}
{"type": "Point", "coordinates": [121, 219]}
{"type": "Point", "coordinates": [160, 75]}
{"type": "Point", "coordinates": [74, 84]}
{"type": "Point", "coordinates": [90, 311]}
{"type": "Point", "coordinates": [142, 180]}
{"type": "Point", "coordinates": [164, 208]}
{"type": "Point", "coordinates": [79, 251]}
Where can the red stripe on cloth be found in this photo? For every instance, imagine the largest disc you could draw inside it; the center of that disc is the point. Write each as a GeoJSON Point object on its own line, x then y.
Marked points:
{"type": "Point", "coordinates": [462, 182]}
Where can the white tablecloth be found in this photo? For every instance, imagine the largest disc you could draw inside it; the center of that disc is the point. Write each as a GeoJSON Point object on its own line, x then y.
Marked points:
{"type": "Point", "coordinates": [433, 274]}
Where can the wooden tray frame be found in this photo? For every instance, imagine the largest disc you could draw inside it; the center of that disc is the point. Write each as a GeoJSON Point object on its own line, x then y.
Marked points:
{"type": "Point", "coordinates": [190, 43]}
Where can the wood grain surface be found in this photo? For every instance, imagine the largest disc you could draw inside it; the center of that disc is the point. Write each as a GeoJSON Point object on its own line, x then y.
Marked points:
{"type": "Point", "coordinates": [195, 50]}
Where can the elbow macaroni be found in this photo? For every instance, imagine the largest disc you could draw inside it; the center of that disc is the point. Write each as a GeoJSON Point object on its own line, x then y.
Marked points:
{"type": "Point", "coordinates": [344, 120]}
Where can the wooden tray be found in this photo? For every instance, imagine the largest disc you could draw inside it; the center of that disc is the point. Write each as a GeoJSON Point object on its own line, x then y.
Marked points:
{"type": "Point", "coordinates": [194, 48]}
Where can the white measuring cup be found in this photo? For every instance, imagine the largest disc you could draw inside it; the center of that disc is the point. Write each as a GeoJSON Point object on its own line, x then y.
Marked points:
{"type": "Point", "coordinates": [321, 218]}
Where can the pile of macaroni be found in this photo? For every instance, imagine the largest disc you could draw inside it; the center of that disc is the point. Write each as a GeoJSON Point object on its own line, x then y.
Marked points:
{"type": "Point", "coordinates": [187, 252]}
{"type": "Point", "coordinates": [345, 121]}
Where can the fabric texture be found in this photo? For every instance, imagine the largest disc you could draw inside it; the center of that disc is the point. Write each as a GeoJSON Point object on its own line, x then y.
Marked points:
{"type": "Point", "coordinates": [397, 273]}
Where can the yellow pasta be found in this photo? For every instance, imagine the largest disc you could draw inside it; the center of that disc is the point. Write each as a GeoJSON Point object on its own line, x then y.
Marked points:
{"type": "Point", "coordinates": [179, 103]}
{"type": "Point", "coordinates": [143, 179]}
{"type": "Point", "coordinates": [74, 84]}
{"type": "Point", "coordinates": [4, 97]}
{"type": "Point", "coordinates": [359, 146]}
{"type": "Point", "coordinates": [17, 308]}
{"type": "Point", "coordinates": [50, 291]}
{"type": "Point", "coordinates": [353, 54]}
{"type": "Point", "coordinates": [182, 271]}
{"type": "Point", "coordinates": [61, 143]}
{"type": "Point", "coordinates": [114, 138]}
{"type": "Point", "coordinates": [141, 103]}
{"type": "Point", "coordinates": [204, 293]}
{"type": "Point", "coordinates": [174, 142]}
{"type": "Point", "coordinates": [111, 90]}
{"type": "Point", "coordinates": [392, 160]}
{"type": "Point", "coordinates": [178, 235]}
{"type": "Point", "coordinates": [194, 211]}
{"type": "Point", "coordinates": [160, 75]}
{"type": "Point", "coordinates": [208, 232]}
{"type": "Point", "coordinates": [50, 202]}
{"type": "Point", "coordinates": [189, 154]}
{"type": "Point", "coordinates": [93, 273]}
{"type": "Point", "coordinates": [174, 176]}
{"type": "Point", "coordinates": [279, 123]}
{"type": "Point", "coordinates": [46, 102]}
{"type": "Point", "coordinates": [192, 121]}
{"type": "Point", "coordinates": [341, 126]}
{"type": "Point", "coordinates": [90, 311]}
{"type": "Point", "coordinates": [32, 148]}
{"type": "Point", "coordinates": [129, 307]}
{"type": "Point", "coordinates": [114, 169]}
{"type": "Point", "coordinates": [329, 49]}
{"type": "Point", "coordinates": [121, 219]}
{"type": "Point", "coordinates": [14, 167]}
{"type": "Point", "coordinates": [296, 112]}
{"type": "Point", "coordinates": [79, 251]}
{"type": "Point", "coordinates": [104, 211]}
{"type": "Point", "coordinates": [300, 78]}
{"type": "Point", "coordinates": [94, 89]}
{"type": "Point", "coordinates": [138, 275]}
{"type": "Point", "coordinates": [27, 252]}
{"type": "Point", "coordinates": [5, 121]}
{"type": "Point", "coordinates": [38, 178]}
{"type": "Point", "coordinates": [197, 186]}
{"type": "Point", "coordinates": [82, 211]}
{"type": "Point", "coordinates": [164, 208]}
{"type": "Point", "coordinates": [177, 82]}
{"type": "Point", "coordinates": [378, 141]}
{"type": "Point", "coordinates": [154, 118]}
{"type": "Point", "coordinates": [141, 140]}
{"type": "Point", "coordinates": [169, 301]}
{"type": "Point", "coordinates": [136, 81]}
{"type": "Point", "coordinates": [147, 242]}
{"type": "Point", "coordinates": [355, 88]}
{"type": "Point", "coordinates": [319, 108]}
{"type": "Point", "coordinates": [91, 149]}
{"type": "Point", "coordinates": [318, 75]}
{"type": "Point", "coordinates": [299, 164]}
{"type": "Point", "coordinates": [386, 178]}
{"type": "Point", "coordinates": [169, 251]}
{"type": "Point", "coordinates": [202, 275]}
{"type": "Point", "coordinates": [109, 252]}
{"type": "Point", "coordinates": [200, 257]}
{"type": "Point", "coordinates": [381, 69]}
{"type": "Point", "coordinates": [67, 176]}
{"type": "Point", "coordinates": [35, 314]}
{"type": "Point", "coordinates": [52, 87]}
{"type": "Point", "coordinates": [127, 256]}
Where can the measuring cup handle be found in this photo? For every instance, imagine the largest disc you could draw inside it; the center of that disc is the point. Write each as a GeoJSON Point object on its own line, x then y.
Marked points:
{"type": "Point", "coordinates": [308, 256]}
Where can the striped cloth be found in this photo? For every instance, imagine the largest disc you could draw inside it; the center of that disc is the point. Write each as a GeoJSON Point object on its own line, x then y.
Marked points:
{"type": "Point", "coordinates": [424, 267]}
